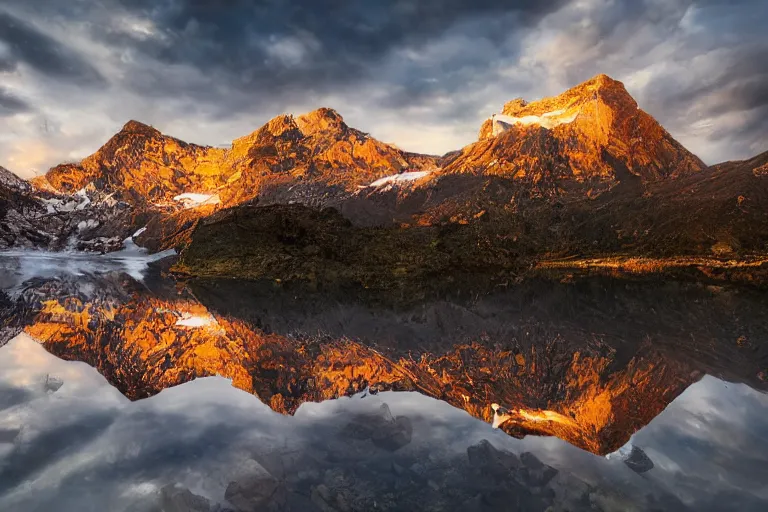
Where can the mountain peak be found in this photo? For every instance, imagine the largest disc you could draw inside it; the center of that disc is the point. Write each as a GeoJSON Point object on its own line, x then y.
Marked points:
{"type": "Point", "coordinates": [592, 119]}
{"type": "Point", "coordinates": [10, 180]}
{"type": "Point", "coordinates": [321, 120]}
{"type": "Point", "coordinates": [603, 79]}
{"type": "Point", "coordinates": [137, 127]}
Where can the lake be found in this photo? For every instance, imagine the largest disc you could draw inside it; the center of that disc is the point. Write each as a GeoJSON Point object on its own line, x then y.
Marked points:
{"type": "Point", "coordinates": [125, 389]}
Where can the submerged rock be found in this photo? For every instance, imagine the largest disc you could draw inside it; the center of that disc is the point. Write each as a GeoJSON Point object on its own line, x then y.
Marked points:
{"type": "Point", "coordinates": [638, 461]}
{"type": "Point", "coordinates": [171, 498]}
{"type": "Point", "coordinates": [492, 461]}
{"type": "Point", "coordinates": [52, 384]}
{"type": "Point", "coordinates": [256, 492]}
{"type": "Point", "coordinates": [174, 498]}
{"type": "Point", "coordinates": [383, 429]}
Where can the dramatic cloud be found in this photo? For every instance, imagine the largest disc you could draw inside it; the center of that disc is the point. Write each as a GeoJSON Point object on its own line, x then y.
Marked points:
{"type": "Point", "coordinates": [10, 104]}
{"type": "Point", "coordinates": [421, 74]}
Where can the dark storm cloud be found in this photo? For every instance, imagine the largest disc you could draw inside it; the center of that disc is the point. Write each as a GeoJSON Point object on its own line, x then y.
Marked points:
{"type": "Point", "coordinates": [276, 44]}
{"type": "Point", "coordinates": [10, 104]}
{"type": "Point", "coordinates": [38, 50]}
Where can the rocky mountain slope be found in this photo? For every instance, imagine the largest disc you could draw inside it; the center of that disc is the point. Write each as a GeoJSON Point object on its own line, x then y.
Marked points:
{"type": "Point", "coordinates": [144, 167]}
{"type": "Point", "coordinates": [169, 184]}
{"type": "Point", "coordinates": [579, 144]}
{"type": "Point", "coordinates": [716, 215]}
{"type": "Point", "coordinates": [597, 126]}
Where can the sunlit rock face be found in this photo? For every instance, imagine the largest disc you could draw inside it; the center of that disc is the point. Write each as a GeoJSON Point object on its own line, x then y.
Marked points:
{"type": "Point", "coordinates": [589, 363]}
{"type": "Point", "coordinates": [594, 133]}
{"type": "Point", "coordinates": [583, 142]}
{"type": "Point", "coordinates": [530, 161]}
{"type": "Point", "coordinates": [168, 185]}
{"type": "Point", "coordinates": [147, 168]}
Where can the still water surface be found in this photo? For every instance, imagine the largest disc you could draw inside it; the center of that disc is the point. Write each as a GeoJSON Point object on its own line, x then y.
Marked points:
{"type": "Point", "coordinates": [671, 374]}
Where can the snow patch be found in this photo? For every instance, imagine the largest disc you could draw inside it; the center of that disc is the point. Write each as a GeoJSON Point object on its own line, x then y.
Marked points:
{"type": "Point", "coordinates": [548, 120]}
{"type": "Point", "coordinates": [500, 415]}
{"type": "Point", "coordinates": [87, 224]}
{"type": "Point", "coordinates": [193, 200]}
{"type": "Point", "coordinates": [85, 201]}
{"type": "Point", "coordinates": [399, 179]}
{"type": "Point", "coordinates": [622, 453]}
{"type": "Point", "coordinates": [59, 205]}
{"type": "Point", "coordinates": [195, 321]}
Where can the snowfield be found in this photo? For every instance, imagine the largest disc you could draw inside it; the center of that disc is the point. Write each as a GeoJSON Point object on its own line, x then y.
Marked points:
{"type": "Point", "coordinates": [195, 321]}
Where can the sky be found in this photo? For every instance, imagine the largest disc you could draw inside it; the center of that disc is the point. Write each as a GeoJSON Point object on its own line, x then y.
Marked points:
{"type": "Point", "coordinates": [421, 74]}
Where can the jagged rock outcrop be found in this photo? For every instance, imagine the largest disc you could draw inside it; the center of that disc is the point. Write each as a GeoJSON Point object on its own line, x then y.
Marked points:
{"type": "Point", "coordinates": [54, 221]}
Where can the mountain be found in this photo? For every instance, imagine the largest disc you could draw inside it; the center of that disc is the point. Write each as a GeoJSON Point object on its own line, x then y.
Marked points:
{"type": "Point", "coordinates": [580, 144]}
{"type": "Point", "coordinates": [17, 207]}
{"type": "Point", "coordinates": [585, 173]}
{"type": "Point", "coordinates": [31, 217]}
{"type": "Point", "coordinates": [169, 184]}
{"type": "Point", "coordinates": [138, 165]}
{"type": "Point", "coordinates": [596, 128]}
{"type": "Point", "coordinates": [146, 168]}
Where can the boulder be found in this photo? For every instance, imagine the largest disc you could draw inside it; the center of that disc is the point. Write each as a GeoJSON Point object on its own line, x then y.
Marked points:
{"type": "Point", "coordinates": [256, 492]}
{"type": "Point", "coordinates": [381, 428]}
{"type": "Point", "coordinates": [175, 498]}
{"type": "Point", "coordinates": [638, 461]}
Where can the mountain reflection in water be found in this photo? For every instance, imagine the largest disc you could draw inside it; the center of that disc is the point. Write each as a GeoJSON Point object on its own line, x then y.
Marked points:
{"type": "Point", "coordinates": [593, 361]}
